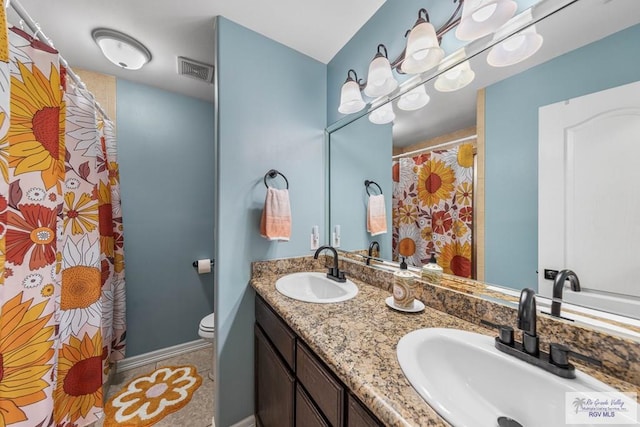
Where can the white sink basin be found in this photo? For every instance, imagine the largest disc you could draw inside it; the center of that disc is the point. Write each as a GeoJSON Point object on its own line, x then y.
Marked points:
{"type": "Point", "coordinates": [470, 383]}
{"type": "Point", "coordinates": [315, 287]}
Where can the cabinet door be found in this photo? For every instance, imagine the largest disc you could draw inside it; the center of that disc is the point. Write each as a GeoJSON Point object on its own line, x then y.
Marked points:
{"type": "Point", "coordinates": [358, 416]}
{"type": "Point", "coordinates": [274, 386]}
{"type": "Point", "coordinates": [319, 382]}
{"type": "Point", "coordinates": [307, 415]}
{"type": "Point", "coordinates": [282, 338]}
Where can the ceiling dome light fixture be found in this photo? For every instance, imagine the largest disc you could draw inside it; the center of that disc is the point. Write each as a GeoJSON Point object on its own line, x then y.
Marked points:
{"type": "Point", "coordinates": [414, 99]}
{"type": "Point", "coordinates": [518, 46]}
{"type": "Point", "coordinates": [482, 17]}
{"type": "Point", "coordinates": [121, 49]}
{"type": "Point", "coordinates": [350, 97]}
{"type": "Point", "coordinates": [457, 77]}
{"type": "Point", "coordinates": [423, 50]}
{"type": "Point", "coordinates": [380, 80]}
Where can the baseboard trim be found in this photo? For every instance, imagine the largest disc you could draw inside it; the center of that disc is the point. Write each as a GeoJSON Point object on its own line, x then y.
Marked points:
{"type": "Point", "coordinates": [247, 422]}
{"type": "Point", "coordinates": [160, 354]}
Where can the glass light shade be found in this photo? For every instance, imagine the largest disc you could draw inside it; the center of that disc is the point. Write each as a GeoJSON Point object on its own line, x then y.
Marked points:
{"type": "Point", "coordinates": [121, 49]}
{"type": "Point", "coordinates": [423, 51]}
{"type": "Point", "coordinates": [482, 17]}
{"type": "Point", "coordinates": [380, 80]}
{"type": "Point", "coordinates": [456, 78]}
{"type": "Point", "coordinates": [414, 99]}
{"type": "Point", "coordinates": [350, 98]}
{"type": "Point", "coordinates": [516, 48]}
{"type": "Point", "coordinates": [382, 115]}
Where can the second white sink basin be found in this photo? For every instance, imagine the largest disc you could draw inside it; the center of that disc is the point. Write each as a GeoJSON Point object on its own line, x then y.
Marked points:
{"type": "Point", "coordinates": [315, 287]}
{"type": "Point", "coordinates": [470, 383]}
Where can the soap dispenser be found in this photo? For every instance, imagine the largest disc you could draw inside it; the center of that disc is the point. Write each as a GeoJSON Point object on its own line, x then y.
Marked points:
{"type": "Point", "coordinates": [432, 272]}
{"type": "Point", "coordinates": [404, 288]}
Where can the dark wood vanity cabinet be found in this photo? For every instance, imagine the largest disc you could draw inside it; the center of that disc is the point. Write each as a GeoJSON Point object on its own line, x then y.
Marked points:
{"type": "Point", "coordinates": [307, 414]}
{"type": "Point", "coordinates": [275, 386]}
{"type": "Point", "coordinates": [358, 416]}
{"type": "Point", "coordinates": [293, 387]}
{"type": "Point", "coordinates": [326, 391]}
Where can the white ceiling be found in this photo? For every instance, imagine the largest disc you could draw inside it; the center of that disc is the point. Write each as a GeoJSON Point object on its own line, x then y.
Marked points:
{"type": "Point", "coordinates": [170, 29]}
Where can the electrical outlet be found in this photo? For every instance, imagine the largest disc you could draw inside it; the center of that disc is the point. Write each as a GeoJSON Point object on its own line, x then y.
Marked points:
{"type": "Point", "coordinates": [336, 237]}
{"type": "Point", "coordinates": [550, 274]}
{"type": "Point", "coordinates": [315, 238]}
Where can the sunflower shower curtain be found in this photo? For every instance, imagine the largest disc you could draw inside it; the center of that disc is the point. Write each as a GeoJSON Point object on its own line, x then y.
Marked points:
{"type": "Point", "coordinates": [62, 318]}
{"type": "Point", "coordinates": [433, 208]}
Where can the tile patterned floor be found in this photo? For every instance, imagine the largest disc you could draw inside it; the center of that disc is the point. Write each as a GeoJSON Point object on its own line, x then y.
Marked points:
{"type": "Point", "coordinates": [199, 411]}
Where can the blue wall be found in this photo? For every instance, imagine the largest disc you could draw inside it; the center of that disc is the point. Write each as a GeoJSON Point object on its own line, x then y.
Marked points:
{"type": "Point", "coordinates": [165, 149]}
{"type": "Point", "coordinates": [271, 112]}
{"type": "Point", "coordinates": [360, 151]}
{"type": "Point", "coordinates": [511, 226]}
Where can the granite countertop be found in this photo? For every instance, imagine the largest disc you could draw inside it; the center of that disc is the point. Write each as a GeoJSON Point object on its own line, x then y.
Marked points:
{"type": "Point", "coordinates": [357, 339]}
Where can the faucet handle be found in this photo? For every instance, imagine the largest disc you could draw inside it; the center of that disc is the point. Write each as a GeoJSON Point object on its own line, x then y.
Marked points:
{"type": "Point", "coordinates": [559, 355]}
{"type": "Point", "coordinates": [506, 335]}
{"type": "Point", "coordinates": [505, 332]}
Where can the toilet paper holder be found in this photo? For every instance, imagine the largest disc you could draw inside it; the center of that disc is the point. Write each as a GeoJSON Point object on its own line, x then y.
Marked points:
{"type": "Point", "coordinates": [195, 264]}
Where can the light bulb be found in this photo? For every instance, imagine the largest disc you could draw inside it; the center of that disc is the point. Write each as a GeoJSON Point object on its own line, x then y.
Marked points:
{"type": "Point", "coordinates": [484, 13]}
{"type": "Point", "coordinates": [414, 99]}
{"type": "Point", "coordinates": [514, 42]}
{"type": "Point", "coordinates": [457, 77]}
{"type": "Point", "coordinates": [453, 74]}
{"type": "Point", "coordinates": [380, 80]}
{"type": "Point", "coordinates": [482, 17]}
{"type": "Point", "coordinates": [516, 48]}
{"type": "Point", "coordinates": [382, 115]}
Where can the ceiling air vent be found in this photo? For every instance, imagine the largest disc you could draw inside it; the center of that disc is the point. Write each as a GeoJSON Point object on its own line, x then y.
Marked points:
{"type": "Point", "coordinates": [195, 70]}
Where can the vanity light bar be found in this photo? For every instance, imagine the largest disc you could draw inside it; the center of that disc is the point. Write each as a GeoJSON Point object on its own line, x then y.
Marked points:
{"type": "Point", "coordinates": [473, 19]}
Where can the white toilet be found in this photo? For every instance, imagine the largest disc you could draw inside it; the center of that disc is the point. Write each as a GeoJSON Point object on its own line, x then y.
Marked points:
{"type": "Point", "coordinates": [206, 332]}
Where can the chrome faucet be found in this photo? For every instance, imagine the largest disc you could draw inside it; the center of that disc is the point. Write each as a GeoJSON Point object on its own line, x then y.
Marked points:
{"type": "Point", "coordinates": [558, 286]}
{"type": "Point", "coordinates": [372, 245]}
{"type": "Point", "coordinates": [334, 272]}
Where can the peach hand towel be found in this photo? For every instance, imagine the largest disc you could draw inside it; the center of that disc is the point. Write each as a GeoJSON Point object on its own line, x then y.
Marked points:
{"type": "Point", "coordinates": [275, 223]}
{"type": "Point", "coordinates": [376, 215]}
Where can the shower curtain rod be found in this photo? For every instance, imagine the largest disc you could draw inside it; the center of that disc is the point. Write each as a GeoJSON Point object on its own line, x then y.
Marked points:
{"type": "Point", "coordinates": [39, 34]}
{"type": "Point", "coordinates": [434, 147]}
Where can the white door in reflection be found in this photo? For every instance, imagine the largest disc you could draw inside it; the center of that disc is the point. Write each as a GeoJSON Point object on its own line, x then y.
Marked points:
{"type": "Point", "coordinates": [589, 198]}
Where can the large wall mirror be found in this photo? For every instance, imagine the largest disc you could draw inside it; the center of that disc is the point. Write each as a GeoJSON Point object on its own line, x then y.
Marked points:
{"type": "Point", "coordinates": [490, 129]}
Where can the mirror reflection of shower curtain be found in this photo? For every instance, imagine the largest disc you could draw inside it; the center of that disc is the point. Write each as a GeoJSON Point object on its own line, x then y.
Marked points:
{"type": "Point", "coordinates": [61, 249]}
{"type": "Point", "coordinates": [433, 208]}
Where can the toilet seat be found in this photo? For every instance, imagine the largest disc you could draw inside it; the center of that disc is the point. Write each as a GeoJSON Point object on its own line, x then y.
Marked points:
{"type": "Point", "coordinates": [207, 327]}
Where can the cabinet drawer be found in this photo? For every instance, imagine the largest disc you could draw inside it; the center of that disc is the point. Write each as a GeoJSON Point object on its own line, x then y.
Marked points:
{"type": "Point", "coordinates": [307, 414]}
{"type": "Point", "coordinates": [324, 389]}
{"type": "Point", "coordinates": [358, 416]}
{"type": "Point", "coordinates": [274, 386]}
{"type": "Point", "coordinates": [283, 339]}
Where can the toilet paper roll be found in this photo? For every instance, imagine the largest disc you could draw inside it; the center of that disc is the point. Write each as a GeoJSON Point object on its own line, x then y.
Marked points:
{"type": "Point", "coordinates": [204, 266]}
